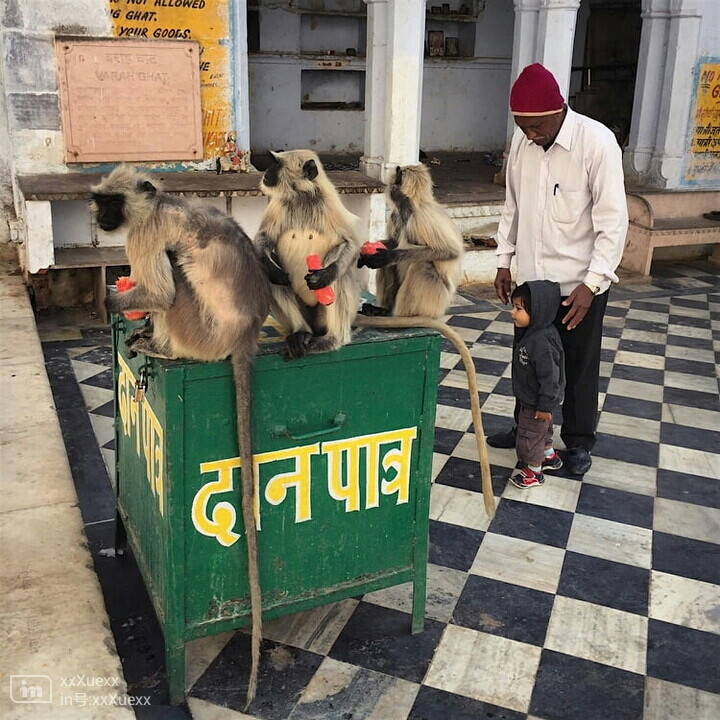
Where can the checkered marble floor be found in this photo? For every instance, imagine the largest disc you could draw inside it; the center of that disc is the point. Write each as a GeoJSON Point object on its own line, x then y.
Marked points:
{"type": "Point", "coordinates": [594, 597]}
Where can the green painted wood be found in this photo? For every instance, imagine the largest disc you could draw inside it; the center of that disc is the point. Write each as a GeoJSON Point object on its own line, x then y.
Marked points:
{"type": "Point", "coordinates": [333, 437]}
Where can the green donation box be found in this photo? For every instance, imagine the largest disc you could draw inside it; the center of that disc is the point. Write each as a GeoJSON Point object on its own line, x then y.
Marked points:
{"type": "Point", "coordinates": [343, 453]}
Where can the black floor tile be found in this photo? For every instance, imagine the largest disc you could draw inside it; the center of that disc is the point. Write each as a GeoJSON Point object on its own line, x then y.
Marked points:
{"type": "Point", "coordinates": [499, 608]}
{"type": "Point", "coordinates": [645, 325]}
{"type": "Point", "coordinates": [446, 440]}
{"type": "Point", "coordinates": [434, 704]}
{"type": "Point", "coordinates": [460, 473]}
{"type": "Point", "coordinates": [453, 546]}
{"type": "Point", "coordinates": [633, 407]}
{"type": "Point", "coordinates": [532, 522]}
{"type": "Point", "coordinates": [691, 398]}
{"type": "Point", "coordinates": [475, 323]}
{"type": "Point", "coordinates": [283, 674]}
{"type": "Point", "coordinates": [106, 410]}
{"type": "Point", "coordinates": [638, 374]}
{"type": "Point", "coordinates": [683, 655]}
{"type": "Point", "coordinates": [689, 558]}
{"type": "Point", "coordinates": [494, 338]}
{"type": "Point", "coordinates": [688, 321]}
{"type": "Point", "coordinates": [689, 342]}
{"type": "Point", "coordinates": [598, 581]}
{"type": "Point", "coordinates": [504, 387]}
{"type": "Point", "coordinates": [614, 447]}
{"type": "Point", "coordinates": [103, 379]}
{"type": "Point", "coordinates": [609, 504]}
{"type": "Point", "coordinates": [97, 356]}
{"type": "Point", "coordinates": [690, 437]}
{"type": "Point", "coordinates": [638, 346]}
{"type": "Point", "coordinates": [688, 488]}
{"type": "Point", "coordinates": [692, 367]}
{"type": "Point", "coordinates": [379, 639]}
{"type": "Point", "coordinates": [453, 397]}
{"type": "Point", "coordinates": [485, 366]}
{"type": "Point", "coordinates": [569, 688]}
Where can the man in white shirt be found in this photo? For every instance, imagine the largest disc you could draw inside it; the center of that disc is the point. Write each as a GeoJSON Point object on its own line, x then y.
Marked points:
{"type": "Point", "coordinates": [565, 219]}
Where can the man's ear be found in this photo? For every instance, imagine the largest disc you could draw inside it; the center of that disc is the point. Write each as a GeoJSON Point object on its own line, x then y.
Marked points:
{"type": "Point", "coordinates": [310, 170]}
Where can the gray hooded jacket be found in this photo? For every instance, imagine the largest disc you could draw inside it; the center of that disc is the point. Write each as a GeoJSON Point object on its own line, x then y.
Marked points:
{"type": "Point", "coordinates": [538, 365]}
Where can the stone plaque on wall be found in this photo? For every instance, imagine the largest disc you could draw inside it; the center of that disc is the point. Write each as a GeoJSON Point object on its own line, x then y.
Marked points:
{"type": "Point", "coordinates": [130, 100]}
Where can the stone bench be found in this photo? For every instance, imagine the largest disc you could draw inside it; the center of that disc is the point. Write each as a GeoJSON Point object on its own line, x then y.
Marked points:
{"type": "Point", "coordinates": [668, 219]}
{"type": "Point", "coordinates": [60, 233]}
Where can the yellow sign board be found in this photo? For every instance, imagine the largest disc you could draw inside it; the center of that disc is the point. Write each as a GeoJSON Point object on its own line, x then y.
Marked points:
{"type": "Point", "coordinates": [703, 160]}
{"type": "Point", "coordinates": [207, 22]}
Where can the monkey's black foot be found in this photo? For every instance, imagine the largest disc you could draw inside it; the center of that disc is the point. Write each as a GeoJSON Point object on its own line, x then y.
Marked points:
{"type": "Point", "coordinates": [147, 347]}
{"type": "Point", "coordinates": [143, 333]}
{"type": "Point", "coordinates": [296, 345]}
{"type": "Point", "coordinates": [373, 310]}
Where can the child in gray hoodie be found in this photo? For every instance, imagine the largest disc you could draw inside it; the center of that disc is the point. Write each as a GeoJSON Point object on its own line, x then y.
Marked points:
{"type": "Point", "coordinates": [538, 379]}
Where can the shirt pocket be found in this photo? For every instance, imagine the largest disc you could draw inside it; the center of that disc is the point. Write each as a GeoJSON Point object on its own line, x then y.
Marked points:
{"type": "Point", "coordinates": [568, 205]}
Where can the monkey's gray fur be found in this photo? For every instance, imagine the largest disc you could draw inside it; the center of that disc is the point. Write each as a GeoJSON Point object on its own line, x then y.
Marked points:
{"type": "Point", "coordinates": [420, 272]}
{"type": "Point", "coordinates": [199, 276]}
{"type": "Point", "coordinates": [305, 215]}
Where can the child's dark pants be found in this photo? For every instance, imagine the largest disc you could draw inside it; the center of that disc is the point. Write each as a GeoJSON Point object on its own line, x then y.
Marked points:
{"type": "Point", "coordinates": [532, 437]}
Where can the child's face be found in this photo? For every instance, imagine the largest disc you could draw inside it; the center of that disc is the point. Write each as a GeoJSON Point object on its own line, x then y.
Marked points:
{"type": "Point", "coordinates": [519, 314]}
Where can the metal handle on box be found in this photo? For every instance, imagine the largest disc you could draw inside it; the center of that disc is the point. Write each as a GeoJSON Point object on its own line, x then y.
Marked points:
{"type": "Point", "coordinates": [279, 431]}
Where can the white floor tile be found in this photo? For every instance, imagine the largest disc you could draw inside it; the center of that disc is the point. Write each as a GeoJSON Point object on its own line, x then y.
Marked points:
{"type": "Point", "coordinates": [458, 507]}
{"type": "Point", "coordinates": [691, 417]}
{"type": "Point", "coordinates": [598, 633]}
{"type": "Point", "coordinates": [557, 492]}
{"type": "Point", "coordinates": [453, 418]}
{"type": "Point", "coordinates": [621, 475]}
{"type": "Point", "coordinates": [642, 360]}
{"type": "Point", "coordinates": [519, 562]}
{"type": "Point", "coordinates": [485, 667]}
{"type": "Point", "coordinates": [611, 540]}
{"type": "Point", "coordinates": [669, 701]}
{"type": "Point", "coordinates": [630, 427]}
{"type": "Point", "coordinates": [687, 460]}
{"type": "Point", "coordinates": [633, 389]}
{"type": "Point", "coordinates": [685, 381]}
{"type": "Point", "coordinates": [687, 520]}
{"type": "Point", "coordinates": [683, 601]}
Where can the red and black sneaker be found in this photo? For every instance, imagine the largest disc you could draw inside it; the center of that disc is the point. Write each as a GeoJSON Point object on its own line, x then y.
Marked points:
{"type": "Point", "coordinates": [552, 462]}
{"type": "Point", "coordinates": [525, 478]}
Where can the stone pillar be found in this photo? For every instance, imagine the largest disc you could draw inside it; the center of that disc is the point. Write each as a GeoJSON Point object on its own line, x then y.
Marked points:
{"type": "Point", "coordinates": [666, 164]}
{"type": "Point", "coordinates": [405, 62]}
{"type": "Point", "coordinates": [241, 73]}
{"type": "Point", "coordinates": [371, 163]}
{"type": "Point", "coordinates": [648, 89]}
{"type": "Point", "coordinates": [555, 39]}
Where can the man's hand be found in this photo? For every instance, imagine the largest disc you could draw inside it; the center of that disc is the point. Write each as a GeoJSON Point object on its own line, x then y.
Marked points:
{"type": "Point", "coordinates": [546, 416]}
{"type": "Point", "coordinates": [579, 302]}
{"type": "Point", "coordinates": [502, 285]}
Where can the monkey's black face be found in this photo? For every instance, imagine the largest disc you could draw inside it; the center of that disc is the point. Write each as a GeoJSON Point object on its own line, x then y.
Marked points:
{"type": "Point", "coordinates": [270, 178]}
{"type": "Point", "coordinates": [109, 211]}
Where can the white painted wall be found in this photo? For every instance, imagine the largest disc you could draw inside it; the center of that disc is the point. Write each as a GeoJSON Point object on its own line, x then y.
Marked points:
{"type": "Point", "coordinates": [709, 44]}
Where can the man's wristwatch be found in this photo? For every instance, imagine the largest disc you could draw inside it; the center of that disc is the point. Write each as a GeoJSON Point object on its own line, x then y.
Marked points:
{"type": "Point", "coordinates": [594, 289]}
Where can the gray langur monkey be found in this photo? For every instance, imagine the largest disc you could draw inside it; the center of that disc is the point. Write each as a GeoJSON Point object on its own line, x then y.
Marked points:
{"type": "Point", "coordinates": [305, 216]}
{"type": "Point", "coordinates": [416, 279]}
{"type": "Point", "coordinates": [421, 268]}
{"type": "Point", "coordinates": [197, 273]}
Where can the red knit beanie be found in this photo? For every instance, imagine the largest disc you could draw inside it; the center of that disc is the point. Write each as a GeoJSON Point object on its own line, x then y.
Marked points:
{"type": "Point", "coordinates": [535, 92]}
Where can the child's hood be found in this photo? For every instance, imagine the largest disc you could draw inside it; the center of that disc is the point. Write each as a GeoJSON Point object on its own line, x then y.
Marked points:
{"type": "Point", "coordinates": [544, 302]}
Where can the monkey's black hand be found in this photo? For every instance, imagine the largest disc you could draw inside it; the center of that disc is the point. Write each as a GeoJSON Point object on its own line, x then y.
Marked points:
{"type": "Point", "coordinates": [317, 279]}
{"type": "Point", "coordinates": [379, 259]}
{"type": "Point", "coordinates": [370, 310]}
{"type": "Point", "coordinates": [271, 265]}
{"type": "Point", "coordinates": [296, 345]}
{"type": "Point", "coordinates": [396, 194]}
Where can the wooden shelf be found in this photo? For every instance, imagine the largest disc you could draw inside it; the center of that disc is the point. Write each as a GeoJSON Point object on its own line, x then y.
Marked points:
{"type": "Point", "coordinates": [451, 17]}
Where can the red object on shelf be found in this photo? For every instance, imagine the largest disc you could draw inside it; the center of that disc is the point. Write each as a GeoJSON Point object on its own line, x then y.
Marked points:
{"type": "Point", "coordinates": [326, 295]}
{"type": "Point", "coordinates": [370, 248]}
{"type": "Point", "coordinates": [125, 283]}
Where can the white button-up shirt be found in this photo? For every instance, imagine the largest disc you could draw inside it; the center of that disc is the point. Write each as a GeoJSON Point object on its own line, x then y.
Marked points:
{"type": "Point", "coordinates": [565, 216]}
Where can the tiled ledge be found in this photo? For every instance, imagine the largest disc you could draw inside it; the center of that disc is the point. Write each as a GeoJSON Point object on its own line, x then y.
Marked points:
{"type": "Point", "coordinates": [52, 619]}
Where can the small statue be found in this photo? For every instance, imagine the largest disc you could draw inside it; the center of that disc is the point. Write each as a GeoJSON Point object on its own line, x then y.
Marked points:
{"type": "Point", "coordinates": [232, 159]}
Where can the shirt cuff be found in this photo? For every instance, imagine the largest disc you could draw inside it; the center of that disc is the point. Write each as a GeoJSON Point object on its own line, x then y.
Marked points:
{"type": "Point", "coordinates": [595, 279]}
{"type": "Point", "coordinates": [503, 261]}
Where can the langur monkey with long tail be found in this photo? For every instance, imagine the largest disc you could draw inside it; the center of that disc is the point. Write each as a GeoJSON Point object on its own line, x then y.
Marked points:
{"type": "Point", "coordinates": [305, 216]}
{"type": "Point", "coordinates": [421, 267]}
{"type": "Point", "coordinates": [417, 277]}
{"type": "Point", "coordinates": [198, 275]}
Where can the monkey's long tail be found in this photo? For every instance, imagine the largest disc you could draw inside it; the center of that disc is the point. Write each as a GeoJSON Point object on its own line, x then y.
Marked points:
{"type": "Point", "coordinates": [457, 341]}
{"type": "Point", "coordinates": [242, 372]}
